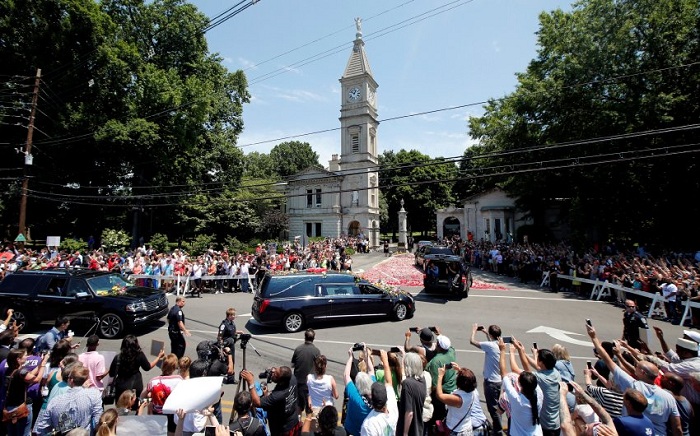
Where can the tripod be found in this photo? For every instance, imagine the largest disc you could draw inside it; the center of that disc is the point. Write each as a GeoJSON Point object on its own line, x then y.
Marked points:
{"type": "Point", "coordinates": [242, 383]}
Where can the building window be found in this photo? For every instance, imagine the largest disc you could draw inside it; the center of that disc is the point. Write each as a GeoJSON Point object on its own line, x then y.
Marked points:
{"type": "Point", "coordinates": [355, 198]}
{"type": "Point", "coordinates": [318, 229]}
{"type": "Point", "coordinates": [318, 197]}
{"type": "Point", "coordinates": [373, 143]}
{"type": "Point", "coordinates": [309, 229]}
{"type": "Point", "coordinates": [487, 224]}
{"type": "Point", "coordinates": [355, 139]}
{"type": "Point", "coordinates": [372, 204]}
{"type": "Point", "coordinates": [309, 198]}
{"type": "Point", "coordinates": [313, 229]}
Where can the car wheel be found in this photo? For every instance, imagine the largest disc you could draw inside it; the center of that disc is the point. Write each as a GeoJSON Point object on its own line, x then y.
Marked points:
{"type": "Point", "coordinates": [293, 322]}
{"type": "Point", "coordinates": [19, 315]}
{"type": "Point", "coordinates": [111, 326]}
{"type": "Point", "coordinates": [400, 311]}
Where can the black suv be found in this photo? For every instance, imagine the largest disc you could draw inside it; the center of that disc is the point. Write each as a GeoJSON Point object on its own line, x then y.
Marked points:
{"type": "Point", "coordinates": [295, 300]}
{"type": "Point", "coordinates": [442, 269]}
{"type": "Point", "coordinates": [39, 296]}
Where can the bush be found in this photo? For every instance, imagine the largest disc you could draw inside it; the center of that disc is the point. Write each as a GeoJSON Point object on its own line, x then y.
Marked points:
{"type": "Point", "coordinates": [113, 240]}
{"type": "Point", "coordinates": [200, 244]}
{"type": "Point", "coordinates": [159, 242]}
{"type": "Point", "coordinates": [73, 245]}
{"type": "Point", "coordinates": [349, 251]}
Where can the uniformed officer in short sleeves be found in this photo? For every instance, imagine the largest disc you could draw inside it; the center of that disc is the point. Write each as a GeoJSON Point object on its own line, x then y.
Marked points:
{"type": "Point", "coordinates": [227, 329]}
{"type": "Point", "coordinates": [176, 328]}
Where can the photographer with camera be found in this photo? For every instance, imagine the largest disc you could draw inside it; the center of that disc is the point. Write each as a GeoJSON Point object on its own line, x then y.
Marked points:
{"type": "Point", "coordinates": [281, 403]}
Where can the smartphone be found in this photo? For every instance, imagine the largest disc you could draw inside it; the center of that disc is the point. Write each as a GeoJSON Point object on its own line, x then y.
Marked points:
{"type": "Point", "coordinates": [448, 366]}
{"type": "Point", "coordinates": [534, 345]}
{"type": "Point", "coordinates": [376, 353]}
{"type": "Point", "coordinates": [413, 329]}
{"type": "Point", "coordinates": [395, 349]}
{"type": "Point", "coordinates": [588, 321]}
{"type": "Point", "coordinates": [479, 328]}
{"type": "Point", "coordinates": [210, 430]}
{"type": "Point", "coordinates": [589, 364]}
{"type": "Point", "coordinates": [508, 339]}
{"type": "Point", "coordinates": [570, 387]}
{"type": "Point", "coordinates": [433, 329]}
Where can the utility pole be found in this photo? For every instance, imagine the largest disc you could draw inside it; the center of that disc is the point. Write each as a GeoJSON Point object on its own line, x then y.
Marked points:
{"type": "Point", "coordinates": [28, 157]}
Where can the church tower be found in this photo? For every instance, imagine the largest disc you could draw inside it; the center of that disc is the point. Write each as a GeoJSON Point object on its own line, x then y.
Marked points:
{"type": "Point", "coordinates": [358, 145]}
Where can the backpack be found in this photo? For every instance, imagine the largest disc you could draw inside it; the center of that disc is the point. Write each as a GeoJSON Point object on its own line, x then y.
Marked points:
{"type": "Point", "coordinates": [159, 393]}
{"type": "Point", "coordinates": [40, 344]}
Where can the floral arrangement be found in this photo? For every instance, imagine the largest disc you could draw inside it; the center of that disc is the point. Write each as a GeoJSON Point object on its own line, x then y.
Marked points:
{"type": "Point", "coordinates": [391, 290]}
{"type": "Point", "coordinates": [116, 290]}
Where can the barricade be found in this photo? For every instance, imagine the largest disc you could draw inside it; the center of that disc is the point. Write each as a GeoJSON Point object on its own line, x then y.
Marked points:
{"type": "Point", "coordinates": [605, 288]}
{"type": "Point", "coordinates": [182, 283]}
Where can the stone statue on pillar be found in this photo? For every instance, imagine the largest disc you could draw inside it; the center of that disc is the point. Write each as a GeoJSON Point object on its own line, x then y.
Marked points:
{"type": "Point", "coordinates": [403, 240]}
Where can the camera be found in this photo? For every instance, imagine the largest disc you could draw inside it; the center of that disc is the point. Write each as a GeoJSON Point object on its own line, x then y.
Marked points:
{"type": "Point", "coordinates": [507, 339]}
{"type": "Point", "coordinates": [433, 329]}
{"type": "Point", "coordinates": [395, 350]}
{"type": "Point", "coordinates": [413, 329]}
{"type": "Point", "coordinates": [267, 374]}
{"type": "Point", "coordinates": [448, 366]}
{"type": "Point", "coordinates": [589, 364]}
{"type": "Point", "coordinates": [588, 321]}
{"type": "Point", "coordinates": [244, 336]}
{"type": "Point", "coordinates": [480, 328]}
{"type": "Point", "coordinates": [358, 346]}
{"type": "Point", "coordinates": [143, 400]}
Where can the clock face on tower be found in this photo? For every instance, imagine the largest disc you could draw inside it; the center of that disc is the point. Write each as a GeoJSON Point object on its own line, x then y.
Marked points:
{"type": "Point", "coordinates": [354, 94]}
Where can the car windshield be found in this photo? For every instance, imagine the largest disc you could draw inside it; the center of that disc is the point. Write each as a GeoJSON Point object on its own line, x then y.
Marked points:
{"type": "Point", "coordinates": [438, 250]}
{"type": "Point", "coordinates": [107, 282]}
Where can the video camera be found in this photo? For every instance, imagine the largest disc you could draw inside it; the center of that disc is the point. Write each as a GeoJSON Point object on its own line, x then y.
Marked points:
{"type": "Point", "coordinates": [358, 347]}
{"type": "Point", "coordinates": [267, 374]}
{"type": "Point", "coordinates": [244, 338]}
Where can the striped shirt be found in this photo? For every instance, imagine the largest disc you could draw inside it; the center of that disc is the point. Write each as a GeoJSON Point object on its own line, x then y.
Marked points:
{"type": "Point", "coordinates": [610, 400]}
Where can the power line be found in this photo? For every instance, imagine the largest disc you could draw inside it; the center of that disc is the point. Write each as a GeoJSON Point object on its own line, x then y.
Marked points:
{"type": "Point", "coordinates": [539, 166]}
{"type": "Point", "coordinates": [379, 169]}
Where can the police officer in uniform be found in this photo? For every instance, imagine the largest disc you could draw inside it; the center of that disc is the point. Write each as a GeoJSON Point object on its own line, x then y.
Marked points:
{"type": "Point", "coordinates": [176, 328]}
{"type": "Point", "coordinates": [632, 321]}
{"type": "Point", "coordinates": [227, 329]}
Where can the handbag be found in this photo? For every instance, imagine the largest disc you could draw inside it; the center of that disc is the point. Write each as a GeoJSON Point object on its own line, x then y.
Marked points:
{"type": "Point", "coordinates": [19, 412]}
{"type": "Point", "coordinates": [441, 428]}
{"type": "Point", "coordinates": [110, 391]}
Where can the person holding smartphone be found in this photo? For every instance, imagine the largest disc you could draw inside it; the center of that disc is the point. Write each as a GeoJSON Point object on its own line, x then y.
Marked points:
{"type": "Point", "coordinates": [492, 373]}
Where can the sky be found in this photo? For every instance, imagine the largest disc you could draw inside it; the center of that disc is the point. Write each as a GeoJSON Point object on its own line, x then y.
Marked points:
{"type": "Point", "coordinates": [426, 55]}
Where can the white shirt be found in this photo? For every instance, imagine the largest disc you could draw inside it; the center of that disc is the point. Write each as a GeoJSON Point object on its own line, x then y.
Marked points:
{"type": "Point", "coordinates": [382, 423]}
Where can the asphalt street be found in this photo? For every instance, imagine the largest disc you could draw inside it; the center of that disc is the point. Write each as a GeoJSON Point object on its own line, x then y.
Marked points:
{"type": "Point", "coordinates": [526, 312]}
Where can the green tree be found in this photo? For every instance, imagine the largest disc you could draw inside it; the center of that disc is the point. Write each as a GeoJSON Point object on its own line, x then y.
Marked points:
{"type": "Point", "coordinates": [259, 165]}
{"type": "Point", "coordinates": [425, 184]}
{"type": "Point", "coordinates": [606, 68]}
{"type": "Point", "coordinates": [142, 118]}
{"type": "Point", "coordinates": [292, 157]}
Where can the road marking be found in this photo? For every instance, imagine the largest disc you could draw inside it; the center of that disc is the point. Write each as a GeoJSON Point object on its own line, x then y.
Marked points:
{"type": "Point", "coordinates": [560, 335]}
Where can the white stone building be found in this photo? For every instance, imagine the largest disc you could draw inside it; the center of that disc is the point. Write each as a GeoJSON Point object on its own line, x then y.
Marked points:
{"type": "Point", "coordinates": [344, 199]}
{"type": "Point", "coordinates": [490, 216]}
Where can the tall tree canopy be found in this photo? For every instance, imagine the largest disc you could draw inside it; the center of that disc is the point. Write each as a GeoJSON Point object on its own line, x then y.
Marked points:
{"type": "Point", "coordinates": [619, 71]}
{"type": "Point", "coordinates": [421, 181]}
{"type": "Point", "coordinates": [292, 157]}
{"type": "Point", "coordinates": [134, 113]}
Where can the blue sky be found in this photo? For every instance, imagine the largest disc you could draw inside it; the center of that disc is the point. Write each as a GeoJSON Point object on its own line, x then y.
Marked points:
{"type": "Point", "coordinates": [424, 54]}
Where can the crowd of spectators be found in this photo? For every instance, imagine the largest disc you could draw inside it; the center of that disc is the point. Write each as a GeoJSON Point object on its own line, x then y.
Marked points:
{"type": "Point", "coordinates": [674, 275]}
{"type": "Point", "coordinates": [331, 254]}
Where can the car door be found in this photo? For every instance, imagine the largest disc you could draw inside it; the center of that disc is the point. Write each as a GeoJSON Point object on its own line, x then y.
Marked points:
{"type": "Point", "coordinates": [345, 299]}
{"type": "Point", "coordinates": [80, 302]}
{"type": "Point", "coordinates": [51, 299]}
{"type": "Point", "coordinates": [376, 301]}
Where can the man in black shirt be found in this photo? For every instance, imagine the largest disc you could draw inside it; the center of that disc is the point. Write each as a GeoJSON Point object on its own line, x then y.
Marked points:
{"type": "Point", "coordinates": [303, 364]}
{"type": "Point", "coordinates": [280, 404]}
{"type": "Point", "coordinates": [176, 328]}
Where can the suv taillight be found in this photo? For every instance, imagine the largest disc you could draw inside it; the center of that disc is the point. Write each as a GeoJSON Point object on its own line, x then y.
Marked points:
{"type": "Point", "coordinates": [263, 305]}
